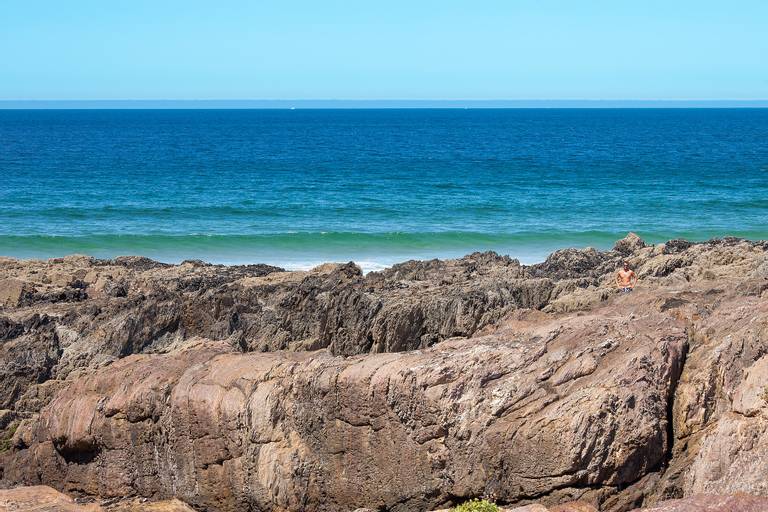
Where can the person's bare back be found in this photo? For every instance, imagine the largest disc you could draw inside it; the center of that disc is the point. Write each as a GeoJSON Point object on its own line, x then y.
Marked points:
{"type": "Point", "coordinates": [626, 279]}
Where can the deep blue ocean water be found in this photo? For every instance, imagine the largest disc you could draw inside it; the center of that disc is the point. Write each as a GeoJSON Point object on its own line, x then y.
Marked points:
{"type": "Point", "coordinates": [299, 187]}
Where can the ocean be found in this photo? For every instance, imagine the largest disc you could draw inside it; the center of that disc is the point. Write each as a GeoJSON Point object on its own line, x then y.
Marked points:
{"type": "Point", "coordinates": [296, 188]}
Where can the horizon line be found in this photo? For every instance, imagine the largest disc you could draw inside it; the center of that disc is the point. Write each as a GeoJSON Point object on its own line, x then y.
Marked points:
{"type": "Point", "coordinates": [204, 103]}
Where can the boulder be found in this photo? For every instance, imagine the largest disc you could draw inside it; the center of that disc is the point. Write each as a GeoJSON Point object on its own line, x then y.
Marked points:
{"type": "Point", "coordinates": [12, 292]}
{"type": "Point", "coordinates": [713, 503]}
{"type": "Point", "coordinates": [629, 244]}
{"type": "Point", "coordinates": [720, 414]}
{"type": "Point", "coordinates": [539, 408]}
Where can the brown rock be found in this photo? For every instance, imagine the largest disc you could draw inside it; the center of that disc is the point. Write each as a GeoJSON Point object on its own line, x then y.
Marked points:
{"type": "Point", "coordinates": [315, 432]}
{"type": "Point", "coordinates": [469, 377]}
{"type": "Point", "coordinates": [720, 411]}
{"type": "Point", "coordinates": [629, 244]}
{"type": "Point", "coordinates": [573, 506]}
{"type": "Point", "coordinates": [149, 506]}
{"type": "Point", "coordinates": [90, 312]}
{"type": "Point", "coordinates": [713, 503]}
{"type": "Point", "coordinates": [6, 417]}
{"type": "Point", "coordinates": [44, 499]}
{"type": "Point", "coordinates": [40, 498]}
{"type": "Point", "coordinates": [11, 292]}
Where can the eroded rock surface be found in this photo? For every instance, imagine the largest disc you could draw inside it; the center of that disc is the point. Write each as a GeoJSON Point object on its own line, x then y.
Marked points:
{"type": "Point", "coordinates": [713, 503]}
{"type": "Point", "coordinates": [533, 384]}
{"type": "Point", "coordinates": [516, 414]}
{"type": "Point", "coordinates": [63, 315]}
{"type": "Point", "coordinates": [41, 498]}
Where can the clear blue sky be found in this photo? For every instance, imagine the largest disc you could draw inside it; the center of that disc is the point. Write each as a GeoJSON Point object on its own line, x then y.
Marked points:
{"type": "Point", "coordinates": [472, 49]}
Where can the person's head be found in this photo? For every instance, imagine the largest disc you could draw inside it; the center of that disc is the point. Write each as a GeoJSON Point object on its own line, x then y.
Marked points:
{"type": "Point", "coordinates": [626, 265]}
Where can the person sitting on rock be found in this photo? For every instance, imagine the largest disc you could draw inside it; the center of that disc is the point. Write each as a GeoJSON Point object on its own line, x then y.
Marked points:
{"type": "Point", "coordinates": [626, 279]}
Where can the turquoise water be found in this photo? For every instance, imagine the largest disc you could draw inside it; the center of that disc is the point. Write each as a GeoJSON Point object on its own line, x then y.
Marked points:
{"type": "Point", "coordinates": [299, 187]}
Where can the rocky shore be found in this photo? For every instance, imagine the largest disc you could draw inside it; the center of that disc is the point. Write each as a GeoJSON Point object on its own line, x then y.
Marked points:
{"type": "Point", "coordinates": [129, 384]}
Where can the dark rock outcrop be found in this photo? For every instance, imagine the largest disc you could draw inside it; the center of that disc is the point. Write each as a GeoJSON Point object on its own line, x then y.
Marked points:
{"type": "Point", "coordinates": [629, 244]}
{"type": "Point", "coordinates": [408, 389]}
{"type": "Point", "coordinates": [97, 311]}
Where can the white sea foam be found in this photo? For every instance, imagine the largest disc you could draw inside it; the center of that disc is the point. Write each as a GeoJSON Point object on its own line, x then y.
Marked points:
{"type": "Point", "coordinates": [365, 265]}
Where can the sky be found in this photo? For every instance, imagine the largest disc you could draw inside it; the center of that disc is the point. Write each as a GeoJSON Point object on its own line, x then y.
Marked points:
{"type": "Point", "coordinates": [394, 49]}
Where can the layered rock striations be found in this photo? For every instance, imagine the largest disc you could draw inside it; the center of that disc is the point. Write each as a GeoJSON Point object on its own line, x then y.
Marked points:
{"type": "Point", "coordinates": [251, 388]}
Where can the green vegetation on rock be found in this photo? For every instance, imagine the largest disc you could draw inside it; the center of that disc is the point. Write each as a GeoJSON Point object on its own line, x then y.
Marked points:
{"type": "Point", "coordinates": [476, 505]}
{"type": "Point", "coordinates": [5, 439]}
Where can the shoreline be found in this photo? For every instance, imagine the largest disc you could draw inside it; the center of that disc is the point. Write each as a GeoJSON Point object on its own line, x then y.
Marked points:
{"type": "Point", "coordinates": [367, 263]}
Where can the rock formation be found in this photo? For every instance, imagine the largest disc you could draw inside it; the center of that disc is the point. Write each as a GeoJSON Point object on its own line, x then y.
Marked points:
{"type": "Point", "coordinates": [713, 503]}
{"type": "Point", "coordinates": [44, 499]}
{"type": "Point", "coordinates": [251, 388]}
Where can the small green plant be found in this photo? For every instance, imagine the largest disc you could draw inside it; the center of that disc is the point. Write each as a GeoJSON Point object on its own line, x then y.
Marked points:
{"type": "Point", "coordinates": [476, 505]}
{"type": "Point", "coordinates": [764, 395]}
{"type": "Point", "coordinates": [5, 438]}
